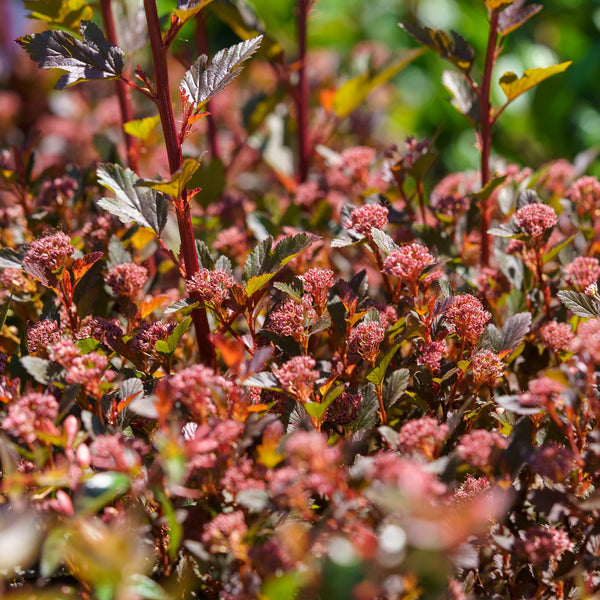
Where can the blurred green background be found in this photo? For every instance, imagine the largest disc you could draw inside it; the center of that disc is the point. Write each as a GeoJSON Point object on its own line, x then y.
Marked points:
{"type": "Point", "coordinates": [558, 119]}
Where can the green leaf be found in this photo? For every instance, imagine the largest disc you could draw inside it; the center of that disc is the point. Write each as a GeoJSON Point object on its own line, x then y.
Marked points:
{"type": "Point", "coordinates": [464, 98]}
{"type": "Point", "coordinates": [175, 528]}
{"type": "Point", "coordinates": [4, 311]}
{"type": "Point", "coordinates": [556, 249]}
{"type": "Point", "coordinates": [92, 58]}
{"type": "Point", "coordinates": [61, 13]}
{"type": "Point", "coordinates": [352, 94]}
{"type": "Point", "coordinates": [394, 386]}
{"type": "Point", "coordinates": [283, 587]}
{"type": "Point", "coordinates": [102, 489]}
{"type": "Point", "coordinates": [263, 263]}
{"type": "Point", "coordinates": [455, 48]}
{"type": "Point", "coordinates": [142, 586]}
{"type": "Point", "coordinates": [513, 87]}
{"type": "Point", "coordinates": [186, 304]}
{"type": "Point", "coordinates": [206, 260]}
{"type": "Point", "coordinates": [142, 128]}
{"type": "Point", "coordinates": [384, 242]}
{"type": "Point", "coordinates": [580, 304]}
{"type": "Point", "coordinates": [176, 185]}
{"type": "Point", "coordinates": [132, 204]}
{"type": "Point", "coordinates": [203, 81]}
{"type": "Point", "coordinates": [37, 367]}
{"type": "Point", "coordinates": [289, 290]}
{"type": "Point", "coordinates": [515, 15]}
{"type": "Point", "coordinates": [367, 414]}
{"type": "Point", "coordinates": [175, 337]}
{"type": "Point", "coordinates": [377, 375]}
{"type": "Point", "coordinates": [315, 409]}
{"type": "Point", "coordinates": [53, 550]}
{"type": "Point", "coordinates": [486, 191]}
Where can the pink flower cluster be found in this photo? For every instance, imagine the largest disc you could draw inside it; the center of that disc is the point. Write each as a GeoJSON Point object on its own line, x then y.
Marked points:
{"type": "Point", "coordinates": [149, 333]}
{"type": "Point", "coordinates": [225, 533]}
{"type": "Point", "coordinates": [317, 282]}
{"type": "Point", "coordinates": [585, 194]}
{"type": "Point", "coordinates": [297, 376]}
{"type": "Point", "coordinates": [431, 355]}
{"type": "Point", "coordinates": [556, 336]}
{"type": "Point", "coordinates": [541, 544]}
{"type": "Point", "coordinates": [407, 262]}
{"type": "Point", "coordinates": [364, 218]}
{"type": "Point", "coordinates": [535, 219]}
{"type": "Point", "coordinates": [582, 272]}
{"type": "Point", "coordinates": [480, 448]}
{"type": "Point", "coordinates": [542, 391]}
{"type": "Point", "coordinates": [467, 317]}
{"type": "Point", "coordinates": [30, 415]}
{"type": "Point", "coordinates": [210, 287]}
{"type": "Point", "coordinates": [291, 319]}
{"type": "Point", "coordinates": [88, 370]}
{"type": "Point", "coordinates": [487, 368]}
{"type": "Point", "coordinates": [422, 436]}
{"type": "Point", "coordinates": [365, 338]}
{"type": "Point", "coordinates": [470, 488]}
{"type": "Point", "coordinates": [358, 160]}
{"type": "Point", "coordinates": [127, 279]}
{"type": "Point", "coordinates": [344, 409]}
{"type": "Point", "coordinates": [587, 340]}
{"type": "Point", "coordinates": [49, 252]}
{"type": "Point", "coordinates": [42, 335]}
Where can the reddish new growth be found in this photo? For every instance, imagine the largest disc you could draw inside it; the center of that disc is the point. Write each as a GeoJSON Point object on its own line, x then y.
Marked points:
{"type": "Point", "coordinates": [422, 436]}
{"type": "Point", "coordinates": [49, 252]}
{"type": "Point", "coordinates": [42, 335]}
{"type": "Point", "coordinates": [127, 279]}
{"type": "Point", "coordinates": [585, 194]}
{"type": "Point", "coordinates": [582, 272]}
{"type": "Point", "coordinates": [364, 218]}
{"type": "Point", "coordinates": [431, 355]}
{"type": "Point", "coordinates": [541, 544]}
{"type": "Point", "coordinates": [210, 287]}
{"type": "Point", "coordinates": [297, 376]}
{"type": "Point", "coordinates": [467, 317]}
{"type": "Point", "coordinates": [317, 282]}
{"type": "Point", "coordinates": [149, 333]}
{"type": "Point", "coordinates": [487, 367]}
{"type": "Point", "coordinates": [408, 262]}
{"type": "Point", "coordinates": [481, 448]}
{"type": "Point", "coordinates": [32, 414]}
{"type": "Point", "coordinates": [365, 338]}
{"type": "Point", "coordinates": [535, 219]}
{"type": "Point", "coordinates": [344, 409]}
{"type": "Point", "coordinates": [556, 336]}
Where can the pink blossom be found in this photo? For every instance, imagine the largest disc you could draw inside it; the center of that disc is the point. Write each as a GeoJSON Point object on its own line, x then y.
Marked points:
{"type": "Point", "coordinates": [344, 409]}
{"type": "Point", "coordinates": [297, 376]}
{"type": "Point", "coordinates": [470, 488]}
{"type": "Point", "coordinates": [422, 436]}
{"type": "Point", "coordinates": [554, 461]}
{"type": "Point", "coordinates": [127, 279]}
{"type": "Point", "coordinates": [210, 287]}
{"type": "Point", "coordinates": [556, 336]}
{"type": "Point", "coordinates": [49, 252]}
{"type": "Point", "coordinates": [358, 160]}
{"type": "Point", "coordinates": [291, 319]}
{"type": "Point", "coordinates": [308, 193]}
{"type": "Point", "coordinates": [232, 240]}
{"type": "Point", "coordinates": [541, 391]}
{"type": "Point", "coordinates": [450, 206]}
{"type": "Point", "coordinates": [63, 351]}
{"type": "Point", "coordinates": [88, 370]}
{"type": "Point", "coordinates": [149, 333]}
{"type": "Point", "coordinates": [365, 338]}
{"type": "Point", "coordinates": [540, 544]}
{"type": "Point", "coordinates": [30, 415]}
{"type": "Point", "coordinates": [42, 335]}
{"type": "Point", "coordinates": [582, 272]}
{"type": "Point", "coordinates": [467, 317]}
{"type": "Point", "coordinates": [364, 218]}
{"type": "Point", "coordinates": [431, 355]}
{"type": "Point", "coordinates": [557, 177]}
{"type": "Point", "coordinates": [317, 282]}
{"type": "Point", "coordinates": [112, 452]}
{"type": "Point", "coordinates": [487, 367]}
{"type": "Point", "coordinates": [225, 534]}
{"type": "Point", "coordinates": [480, 448]}
{"type": "Point", "coordinates": [585, 194]}
{"type": "Point", "coordinates": [587, 340]}
{"type": "Point", "coordinates": [105, 331]}
{"type": "Point", "coordinates": [408, 262]}
{"type": "Point", "coordinates": [535, 219]}
{"type": "Point", "coordinates": [14, 281]}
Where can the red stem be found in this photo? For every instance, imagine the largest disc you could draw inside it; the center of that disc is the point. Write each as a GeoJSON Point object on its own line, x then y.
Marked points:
{"type": "Point", "coordinates": [123, 92]}
{"type": "Point", "coordinates": [486, 134]}
{"type": "Point", "coordinates": [174, 154]}
{"type": "Point", "coordinates": [202, 46]}
{"type": "Point", "coordinates": [302, 93]}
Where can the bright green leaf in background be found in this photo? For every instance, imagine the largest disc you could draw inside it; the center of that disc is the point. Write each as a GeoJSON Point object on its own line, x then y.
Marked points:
{"type": "Point", "coordinates": [513, 87]}
{"type": "Point", "coordinates": [62, 13]}
{"type": "Point", "coordinates": [142, 128]}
